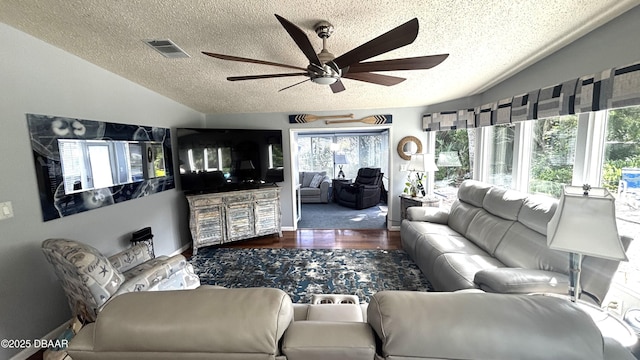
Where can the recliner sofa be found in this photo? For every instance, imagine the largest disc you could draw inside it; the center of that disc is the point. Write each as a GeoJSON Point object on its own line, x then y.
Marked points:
{"type": "Point", "coordinates": [494, 239]}
{"type": "Point", "coordinates": [262, 323]}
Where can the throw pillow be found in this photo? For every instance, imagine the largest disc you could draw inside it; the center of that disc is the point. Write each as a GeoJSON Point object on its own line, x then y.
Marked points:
{"type": "Point", "coordinates": [315, 182]}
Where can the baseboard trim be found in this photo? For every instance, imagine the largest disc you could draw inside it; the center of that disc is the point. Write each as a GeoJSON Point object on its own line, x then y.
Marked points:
{"type": "Point", "coordinates": [181, 250]}
{"type": "Point", "coordinates": [53, 334]}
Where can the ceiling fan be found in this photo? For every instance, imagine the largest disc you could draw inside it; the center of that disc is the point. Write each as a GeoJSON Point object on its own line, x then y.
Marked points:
{"type": "Point", "coordinates": [326, 69]}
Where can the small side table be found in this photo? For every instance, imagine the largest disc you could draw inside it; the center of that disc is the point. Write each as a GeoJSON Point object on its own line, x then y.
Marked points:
{"type": "Point", "coordinates": [334, 187]}
{"type": "Point", "coordinates": [407, 201]}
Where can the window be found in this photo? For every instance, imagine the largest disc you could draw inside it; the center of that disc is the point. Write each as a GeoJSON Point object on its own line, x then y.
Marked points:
{"type": "Point", "coordinates": [454, 158]}
{"type": "Point", "coordinates": [621, 176]}
{"type": "Point", "coordinates": [553, 151]}
{"type": "Point", "coordinates": [315, 152]}
{"type": "Point", "coordinates": [500, 154]}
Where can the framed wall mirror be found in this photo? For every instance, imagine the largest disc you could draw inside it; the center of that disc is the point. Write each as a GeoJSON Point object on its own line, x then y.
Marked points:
{"type": "Point", "coordinates": [409, 145]}
{"type": "Point", "coordinates": [84, 164]}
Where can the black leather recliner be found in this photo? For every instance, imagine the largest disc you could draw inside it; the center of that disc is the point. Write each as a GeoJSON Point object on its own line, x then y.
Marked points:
{"type": "Point", "coordinates": [364, 193]}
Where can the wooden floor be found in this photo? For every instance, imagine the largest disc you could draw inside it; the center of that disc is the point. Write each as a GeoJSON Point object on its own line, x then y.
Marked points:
{"type": "Point", "coordinates": [322, 239]}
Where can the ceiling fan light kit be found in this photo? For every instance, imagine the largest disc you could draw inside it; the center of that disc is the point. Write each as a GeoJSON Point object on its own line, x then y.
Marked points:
{"type": "Point", "coordinates": [326, 69]}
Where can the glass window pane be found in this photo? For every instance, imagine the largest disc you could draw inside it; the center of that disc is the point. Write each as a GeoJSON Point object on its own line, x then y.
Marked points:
{"type": "Point", "coordinates": [500, 170]}
{"type": "Point", "coordinates": [454, 158]}
{"type": "Point", "coordinates": [621, 176]}
{"type": "Point", "coordinates": [553, 153]}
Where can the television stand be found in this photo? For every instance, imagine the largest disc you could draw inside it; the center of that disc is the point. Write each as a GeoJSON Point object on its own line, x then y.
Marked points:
{"type": "Point", "coordinates": [219, 218]}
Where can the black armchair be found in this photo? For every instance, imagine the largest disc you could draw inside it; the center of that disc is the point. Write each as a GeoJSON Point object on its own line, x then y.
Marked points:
{"type": "Point", "coordinates": [365, 192]}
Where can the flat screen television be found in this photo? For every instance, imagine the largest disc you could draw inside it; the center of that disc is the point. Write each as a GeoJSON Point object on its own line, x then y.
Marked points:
{"type": "Point", "coordinates": [217, 160]}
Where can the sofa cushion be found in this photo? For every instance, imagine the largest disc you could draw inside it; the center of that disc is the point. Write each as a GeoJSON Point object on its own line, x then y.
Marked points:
{"type": "Point", "coordinates": [503, 202]}
{"type": "Point", "coordinates": [460, 215]}
{"type": "Point", "coordinates": [456, 271]}
{"type": "Point", "coordinates": [473, 192]}
{"type": "Point", "coordinates": [308, 191]}
{"type": "Point", "coordinates": [434, 245]}
{"type": "Point", "coordinates": [315, 182]}
{"type": "Point", "coordinates": [522, 247]}
{"type": "Point", "coordinates": [481, 326]}
{"type": "Point", "coordinates": [487, 230]}
{"type": "Point", "coordinates": [536, 212]}
{"type": "Point", "coordinates": [307, 177]}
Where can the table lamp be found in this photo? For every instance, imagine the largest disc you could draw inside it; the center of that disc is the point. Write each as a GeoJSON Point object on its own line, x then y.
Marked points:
{"type": "Point", "coordinates": [422, 163]}
{"type": "Point", "coordinates": [584, 224]}
{"type": "Point", "coordinates": [340, 160]}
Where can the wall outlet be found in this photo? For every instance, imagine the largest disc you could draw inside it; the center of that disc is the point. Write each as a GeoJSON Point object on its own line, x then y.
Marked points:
{"type": "Point", "coordinates": [6, 210]}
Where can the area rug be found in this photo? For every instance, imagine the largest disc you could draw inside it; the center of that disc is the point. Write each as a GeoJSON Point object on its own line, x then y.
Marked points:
{"type": "Point", "coordinates": [302, 272]}
{"type": "Point", "coordinates": [335, 216]}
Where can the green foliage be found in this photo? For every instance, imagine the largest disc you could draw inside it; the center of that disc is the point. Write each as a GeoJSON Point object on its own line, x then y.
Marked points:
{"type": "Point", "coordinates": [622, 149]}
{"type": "Point", "coordinates": [458, 141]}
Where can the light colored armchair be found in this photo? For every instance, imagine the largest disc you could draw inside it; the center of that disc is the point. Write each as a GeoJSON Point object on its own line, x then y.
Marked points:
{"type": "Point", "coordinates": [90, 279]}
{"type": "Point", "coordinates": [309, 193]}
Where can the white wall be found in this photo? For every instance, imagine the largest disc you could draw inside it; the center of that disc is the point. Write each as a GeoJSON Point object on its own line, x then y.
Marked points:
{"type": "Point", "coordinates": [406, 121]}
{"type": "Point", "coordinates": [38, 78]}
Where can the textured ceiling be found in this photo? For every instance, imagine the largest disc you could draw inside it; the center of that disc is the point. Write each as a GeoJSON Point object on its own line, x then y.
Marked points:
{"type": "Point", "coordinates": [488, 41]}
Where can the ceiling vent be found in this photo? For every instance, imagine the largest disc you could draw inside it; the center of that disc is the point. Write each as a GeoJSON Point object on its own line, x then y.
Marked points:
{"type": "Point", "coordinates": [167, 48]}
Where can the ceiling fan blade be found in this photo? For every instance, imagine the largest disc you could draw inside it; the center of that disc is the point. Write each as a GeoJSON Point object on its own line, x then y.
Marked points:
{"type": "Point", "coordinates": [385, 80]}
{"type": "Point", "coordinates": [266, 76]}
{"type": "Point", "coordinates": [290, 86]}
{"type": "Point", "coordinates": [402, 35]}
{"type": "Point", "coordinates": [253, 61]}
{"type": "Point", "coordinates": [414, 63]}
{"type": "Point", "coordinates": [337, 86]}
{"type": "Point", "coordinates": [301, 40]}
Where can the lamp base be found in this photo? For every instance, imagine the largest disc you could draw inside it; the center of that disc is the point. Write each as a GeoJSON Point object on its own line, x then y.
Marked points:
{"type": "Point", "coordinates": [575, 262]}
{"type": "Point", "coordinates": [340, 173]}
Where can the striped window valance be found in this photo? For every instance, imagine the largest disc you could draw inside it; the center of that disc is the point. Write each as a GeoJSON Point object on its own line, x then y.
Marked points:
{"type": "Point", "coordinates": [609, 89]}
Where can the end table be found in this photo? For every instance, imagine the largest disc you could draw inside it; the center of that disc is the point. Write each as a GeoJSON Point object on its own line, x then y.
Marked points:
{"type": "Point", "coordinates": [407, 201]}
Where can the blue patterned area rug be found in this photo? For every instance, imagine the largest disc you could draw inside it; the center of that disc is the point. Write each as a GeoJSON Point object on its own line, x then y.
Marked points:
{"type": "Point", "coordinates": [303, 272]}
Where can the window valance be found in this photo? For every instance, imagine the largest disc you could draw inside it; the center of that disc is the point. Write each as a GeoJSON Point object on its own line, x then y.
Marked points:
{"type": "Point", "coordinates": [609, 89]}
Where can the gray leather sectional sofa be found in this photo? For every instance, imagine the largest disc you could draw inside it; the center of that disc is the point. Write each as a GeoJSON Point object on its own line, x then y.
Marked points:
{"type": "Point", "coordinates": [261, 323]}
{"type": "Point", "coordinates": [494, 239]}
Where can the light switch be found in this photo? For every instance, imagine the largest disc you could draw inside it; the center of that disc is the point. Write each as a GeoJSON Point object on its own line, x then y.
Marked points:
{"type": "Point", "coordinates": [6, 211]}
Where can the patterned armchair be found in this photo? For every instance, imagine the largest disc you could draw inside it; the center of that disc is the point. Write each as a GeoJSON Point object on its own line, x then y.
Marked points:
{"type": "Point", "coordinates": [90, 279]}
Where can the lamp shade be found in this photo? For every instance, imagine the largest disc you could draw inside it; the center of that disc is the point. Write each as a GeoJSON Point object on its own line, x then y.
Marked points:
{"type": "Point", "coordinates": [340, 159]}
{"type": "Point", "coordinates": [422, 163]}
{"type": "Point", "coordinates": [586, 224]}
{"type": "Point", "coordinates": [449, 159]}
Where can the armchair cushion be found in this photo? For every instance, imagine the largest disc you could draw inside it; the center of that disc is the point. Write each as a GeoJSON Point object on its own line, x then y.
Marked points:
{"type": "Point", "coordinates": [131, 257]}
{"type": "Point", "coordinates": [149, 275]}
{"type": "Point", "coordinates": [521, 281]}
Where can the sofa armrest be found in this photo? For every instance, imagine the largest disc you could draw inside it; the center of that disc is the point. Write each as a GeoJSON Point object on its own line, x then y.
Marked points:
{"type": "Point", "coordinates": [429, 214]}
{"type": "Point", "coordinates": [146, 276]}
{"type": "Point", "coordinates": [521, 281]}
{"type": "Point", "coordinates": [131, 257]}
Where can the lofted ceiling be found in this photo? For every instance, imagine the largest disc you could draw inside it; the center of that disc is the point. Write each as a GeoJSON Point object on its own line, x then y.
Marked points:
{"type": "Point", "coordinates": [488, 41]}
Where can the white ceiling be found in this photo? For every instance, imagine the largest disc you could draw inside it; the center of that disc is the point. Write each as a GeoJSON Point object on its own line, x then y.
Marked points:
{"type": "Point", "coordinates": [488, 41]}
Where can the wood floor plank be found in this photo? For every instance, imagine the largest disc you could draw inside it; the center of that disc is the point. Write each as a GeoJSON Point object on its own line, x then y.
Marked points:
{"type": "Point", "coordinates": [322, 239]}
